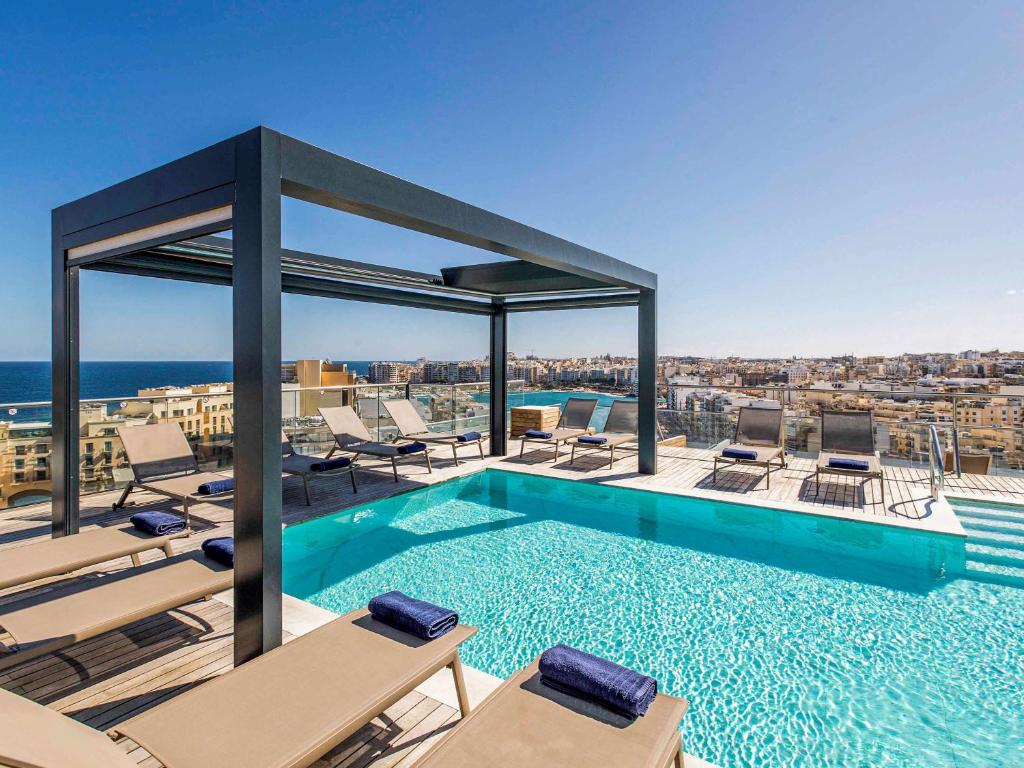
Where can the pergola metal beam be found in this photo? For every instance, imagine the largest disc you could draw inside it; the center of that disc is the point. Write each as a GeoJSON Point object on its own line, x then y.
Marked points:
{"type": "Point", "coordinates": [511, 277]}
{"type": "Point", "coordinates": [65, 397]}
{"type": "Point", "coordinates": [647, 383]}
{"type": "Point", "coordinates": [498, 359]}
{"type": "Point", "coordinates": [579, 302]}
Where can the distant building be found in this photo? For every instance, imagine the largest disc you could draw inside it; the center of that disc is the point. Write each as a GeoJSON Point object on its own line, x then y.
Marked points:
{"type": "Point", "coordinates": [384, 373]}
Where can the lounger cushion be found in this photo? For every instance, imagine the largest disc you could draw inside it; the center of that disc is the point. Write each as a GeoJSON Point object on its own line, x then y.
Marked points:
{"type": "Point", "coordinates": [841, 462]}
{"type": "Point", "coordinates": [157, 523]}
{"type": "Point", "coordinates": [221, 550]}
{"type": "Point", "coordinates": [184, 487]}
{"type": "Point", "coordinates": [825, 459]}
{"type": "Point", "coordinates": [593, 440]}
{"type": "Point", "coordinates": [417, 617]}
{"type": "Point", "coordinates": [468, 437]}
{"type": "Point", "coordinates": [215, 487]}
{"type": "Point", "coordinates": [412, 448]}
{"type": "Point", "coordinates": [618, 688]}
{"type": "Point", "coordinates": [537, 434]}
{"type": "Point", "coordinates": [740, 453]}
{"type": "Point", "coordinates": [326, 465]}
{"type": "Point", "coordinates": [763, 454]}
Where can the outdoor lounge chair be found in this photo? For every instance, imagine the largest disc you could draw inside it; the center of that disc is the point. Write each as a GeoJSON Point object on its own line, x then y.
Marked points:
{"type": "Point", "coordinates": [525, 722]}
{"type": "Point", "coordinates": [57, 557]}
{"type": "Point", "coordinates": [848, 448]}
{"type": "Point", "coordinates": [412, 427]}
{"type": "Point", "coordinates": [65, 617]}
{"type": "Point", "coordinates": [620, 428]}
{"type": "Point", "coordinates": [351, 435]}
{"type": "Point", "coordinates": [309, 467]}
{"type": "Point", "coordinates": [162, 462]}
{"type": "Point", "coordinates": [574, 421]}
{"type": "Point", "coordinates": [759, 441]}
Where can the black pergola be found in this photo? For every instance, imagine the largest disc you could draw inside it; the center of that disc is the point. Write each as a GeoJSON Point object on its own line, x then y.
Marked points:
{"type": "Point", "coordinates": [160, 224]}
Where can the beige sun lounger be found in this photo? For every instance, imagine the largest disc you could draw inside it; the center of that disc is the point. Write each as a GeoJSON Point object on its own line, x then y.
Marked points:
{"type": "Point", "coordinates": [38, 627]}
{"type": "Point", "coordinates": [300, 465]}
{"type": "Point", "coordinates": [351, 435]}
{"type": "Point", "coordinates": [412, 427]}
{"type": "Point", "coordinates": [758, 430]}
{"type": "Point", "coordinates": [574, 421]}
{"type": "Point", "coordinates": [848, 435]}
{"type": "Point", "coordinates": [288, 707]}
{"type": "Point", "coordinates": [526, 723]}
{"type": "Point", "coordinates": [619, 429]}
{"type": "Point", "coordinates": [163, 463]}
{"type": "Point", "coordinates": [57, 557]}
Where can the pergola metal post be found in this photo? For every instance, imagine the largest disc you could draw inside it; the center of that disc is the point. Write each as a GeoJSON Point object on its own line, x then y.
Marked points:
{"type": "Point", "coordinates": [647, 379]}
{"type": "Point", "coordinates": [65, 341]}
{"type": "Point", "coordinates": [499, 378]}
{"type": "Point", "coordinates": [257, 389]}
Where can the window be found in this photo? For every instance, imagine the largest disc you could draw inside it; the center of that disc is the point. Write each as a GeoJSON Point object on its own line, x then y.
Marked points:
{"type": "Point", "coordinates": [19, 477]}
{"type": "Point", "coordinates": [19, 450]}
{"type": "Point", "coordinates": [40, 475]}
{"type": "Point", "coordinates": [19, 463]}
{"type": "Point", "coordinates": [41, 448]}
{"type": "Point", "coordinates": [108, 446]}
{"type": "Point", "coordinates": [41, 462]}
{"type": "Point", "coordinates": [88, 447]}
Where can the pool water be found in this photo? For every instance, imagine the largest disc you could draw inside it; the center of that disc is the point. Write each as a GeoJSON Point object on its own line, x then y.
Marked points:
{"type": "Point", "coordinates": [799, 640]}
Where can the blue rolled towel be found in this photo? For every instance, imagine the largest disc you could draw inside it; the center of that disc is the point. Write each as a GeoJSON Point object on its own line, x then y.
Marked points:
{"type": "Point", "coordinates": [215, 487]}
{"type": "Point", "coordinates": [740, 453]}
{"type": "Point", "coordinates": [412, 448]}
{"type": "Point", "coordinates": [615, 687]}
{"type": "Point", "coordinates": [417, 617]}
{"type": "Point", "coordinates": [849, 464]}
{"type": "Point", "coordinates": [157, 523]}
{"type": "Point", "coordinates": [538, 434]}
{"type": "Point", "coordinates": [593, 440]}
{"type": "Point", "coordinates": [468, 437]}
{"type": "Point", "coordinates": [220, 550]}
{"type": "Point", "coordinates": [328, 464]}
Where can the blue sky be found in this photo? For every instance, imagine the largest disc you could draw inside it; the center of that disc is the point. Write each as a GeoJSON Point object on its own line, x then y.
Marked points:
{"type": "Point", "coordinates": [805, 178]}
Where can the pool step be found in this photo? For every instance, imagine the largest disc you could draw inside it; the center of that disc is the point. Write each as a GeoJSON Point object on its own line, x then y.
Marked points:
{"type": "Point", "coordinates": [1002, 537]}
{"type": "Point", "coordinates": [996, 574]}
{"type": "Point", "coordinates": [998, 555]}
{"type": "Point", "coordinates": [995, 543]}
{"type": "Point", "coordinates": [990, 513]}
{"type": "Point", "coordinates": [994, 526]}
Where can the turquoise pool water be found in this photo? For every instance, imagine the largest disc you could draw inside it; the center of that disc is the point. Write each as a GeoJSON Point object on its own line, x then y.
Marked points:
{"type": "Point", "coordinates": [799, 640]}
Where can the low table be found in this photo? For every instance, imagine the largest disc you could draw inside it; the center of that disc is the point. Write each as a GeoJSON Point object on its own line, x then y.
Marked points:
{"type": "Point", "coordinates": [542, 417]}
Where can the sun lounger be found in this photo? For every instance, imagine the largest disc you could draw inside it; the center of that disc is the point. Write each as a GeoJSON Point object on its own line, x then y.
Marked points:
{"type": "Point", "coordinates": [309, 467]}
{"type": "Point", "coordinates": [412, 427]}
{"type": "Point", "coordinates": [162, 462]}
{"type": "Point", "coordinates": [619, 429]}
{"type": "Point", "coordinates": [759, 441]}
{"type": "Point", "coordinates": [292, 705]}
{"type": "Point", "coordinates": [848, 448]}
{"type": "Point", "coordinates": [64, 618]}
{"type": "Point", "coordinates": [56, 557]}
{"type": "Point", "coordinates": [574, 421]}
{"type": "Point", "coordinates": [525, 722]}
{"type": "Point", "coordinates": [351, 435]}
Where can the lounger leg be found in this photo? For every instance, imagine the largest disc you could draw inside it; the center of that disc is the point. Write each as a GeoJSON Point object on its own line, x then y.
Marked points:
{"type": "Point", "coordinates": [556, 451]}
{"type": "Point", "coordinates": [881, 480]}
{"type": "Point", "coordinates": [331, 452]}
{"type": "Point", "coordinates": [572, 453]}
{"type": "Point", "coordinates": [817, 482]}
{"type": "Point", "coordinates": [168, 550]}
{"type": "Point", "coordinates": [714, 472]}
{"type": "Point", "coordinates": [135, 560]}
{"type": "Point", "coordinates": [188, 520]}
{"type": "Point", "coordinates": [352, 476]}
{"type": "Point", "coordinates": [480, 445]}
{"type": "Point", "coordinates": [611, 460]}
{"type": "Point", "coordinates": [460, 685]}
{"type": "Point", "coordinates": [522, 447]}
{"type": "Point", "coordinates": [426, 455]}
{"type": "Point", "coordinates": [455, 454]}
{"type": "Point", "coordinates": [124, 497]}
{"type": "Point", "coordinates": [678, 761]}
{"type": "Point", "coordinates": [394, 468]}
{"type": "Point", "coordinates": [305, 485]}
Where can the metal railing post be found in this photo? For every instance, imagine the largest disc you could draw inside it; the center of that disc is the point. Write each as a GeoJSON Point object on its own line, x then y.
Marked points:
{"type": "Point", "coordinates": [956, 438]}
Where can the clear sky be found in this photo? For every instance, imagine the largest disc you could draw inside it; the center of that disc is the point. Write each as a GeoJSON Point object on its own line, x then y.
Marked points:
{"type": "Point", "coordinates": [805, 178]}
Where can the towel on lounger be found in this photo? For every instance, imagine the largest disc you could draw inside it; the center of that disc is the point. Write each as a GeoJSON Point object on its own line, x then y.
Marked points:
{"type": "Point", "coordinates": [215, 487]}
{"type": "Point", "coordinates": [618, 688]}
{"type": "Point", "coordinates": [849, 464]}
{"type": "Point", "coordinates": [328, 464]}
{"type": "Point", "coordinates": [412, 448]}
{"type": "Point", "coordinates": [468, 437]}
{"type": "Point", "coordinates": [593, 440]}
{"type": "Point", "coordinates": [739, 453]}
{"type": "Point", "coordinates": [417, 617]}
{"type": "Point", "coordinates": [157, 523]}
{"type": "Point", "coordinates": [220, 550]}
{"type": "Point", "coordinates": [537, 434]}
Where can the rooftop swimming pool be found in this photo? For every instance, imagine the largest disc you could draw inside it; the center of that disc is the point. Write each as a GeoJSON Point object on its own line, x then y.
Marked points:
{"type": "Point", "coordinates": [799, 640]}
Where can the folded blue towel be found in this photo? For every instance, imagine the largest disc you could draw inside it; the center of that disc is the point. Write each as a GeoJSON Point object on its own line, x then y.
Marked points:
{"type": "Point", "coordinates": [157, 523]}
{"type": "Point", "coordinates": [593, 440]}
{"type": "Point", "coordinates": [468, 437]}
{"type": "Point", "coordinates": [412, 448]}
{"type": "Point", "coordinates": [214, 487]}
{"type": "Point", "coordinates": [538, 434]}
{"type": "Point", "coordinates": [328, 464]}
{"type": "Point", "coordinates": [849, 464]}
{"type": "Point", "coordinates": [417, 617]}
{"type": "Point", "coordinates": [220, 550]}
{"type": "Point", "coordinates": [739, 453]}
{"type": "Point", "coordinates": [618, 688]}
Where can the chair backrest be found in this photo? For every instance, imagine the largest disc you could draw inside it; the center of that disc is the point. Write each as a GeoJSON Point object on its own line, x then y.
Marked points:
{"type": "Point", "coordinates": [970, 463]}
{"type": "Point", "coordinates": [577, 412]}
{"type": "Point", "coordinates": [345, 425]}
{"type": "Point", "coordinates": [623, 417]}
{"type": "Point", "coordinates": [38, 736]}
{"type": "Point", "coordinates": [157, 450]}
{"type": "Point", "coordinates": [847, 431]}
{"type": "Point", "coordinates": [406, 417]}
{"type": "Point", "coordinates": [759, 426]}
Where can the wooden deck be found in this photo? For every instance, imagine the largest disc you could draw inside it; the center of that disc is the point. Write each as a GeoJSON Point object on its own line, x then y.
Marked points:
{"type": "Point", "coordinates": [108, 679]}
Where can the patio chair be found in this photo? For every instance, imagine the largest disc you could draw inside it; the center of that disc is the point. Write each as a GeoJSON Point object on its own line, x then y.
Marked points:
{"type": "Point", "coordinates": [351, 435]}
{"type": "Point", "coordinates": [310, 467]}
{"type": "Point", "coordinates": [620, 428]}
{"type": "Point", "coordinates": [759, 442]}
{"type": "Point", "coordinates": [574, 421]}
{"type": "Point", "coordinates": [58, 557]}
{"type": "Point", "coordinates": [525, 722]}
{"type": "Point", "coordinates": [412, 427]}
{"type": "Point", "coordinates": [162, 462]}
{"type": "Point", "coordinates": [848, 448]}
{"type": "Point", "coordinates": [38, 627]}
{"type": "Point", "coordinates": [970, 463]}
